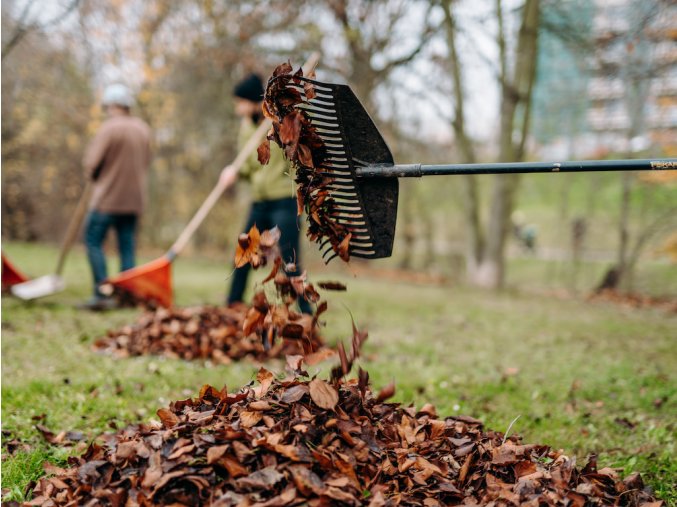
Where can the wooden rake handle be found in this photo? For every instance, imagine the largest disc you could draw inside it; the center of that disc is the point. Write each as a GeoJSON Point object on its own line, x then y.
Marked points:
{"type": "Point", "coordinates": [213, 197]}
{"type": "Point", "coordinates": [73, 227]}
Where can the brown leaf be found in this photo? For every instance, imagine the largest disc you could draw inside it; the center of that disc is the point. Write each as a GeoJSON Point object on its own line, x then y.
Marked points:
{"type": "Point", "coordinates": [344, 247]}
{"type": "Point", "coordinates": [249, 418]}
{"type": "Point", "coordinates": [283, 68]}
{"type": "Point", "coordinates": [168, 418]}
{"type": "Point", "coordinates": [294, 393]}
{"type": "Point", "coordinates": [292, 331]}
{"type": "Point", "coordinates": [270, 237]}
{"type": "Point", "coordinates": [265, 378]}
{"type": "Point", "coordinates": [253, 320]}
{"type": "Point", "coordinates": [305, 155]}
{"type": "Point", "coordinates": [290, 130]}
{"type": "Point", "coordinates": [247, 246]}
{"type": "Point", "coordinates": [265, 478]}
{"type": "Point", "coordinates": [309, 89]}
{"type": "Point", "coordinates": [263, 152]}
{"type": "Point", "coordinates": [338, 286]}
{"type": "Point", "coordinates": [322, 394]}
{"type": "Point", "coordinates": [385, 393]}
{"type": "Point", "coordinates": [317, 357]}
{"type": "Point", "coordinates": [215, 453]}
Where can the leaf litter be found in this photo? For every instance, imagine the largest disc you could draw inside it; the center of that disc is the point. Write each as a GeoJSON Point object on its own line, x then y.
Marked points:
{"type": "Point", "coordinates": [300, 440]}
{"type": "Point", "coordinates": [268, 328]}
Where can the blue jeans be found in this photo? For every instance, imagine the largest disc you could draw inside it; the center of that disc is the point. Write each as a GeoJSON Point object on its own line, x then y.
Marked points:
{"type": "Point", "coordinates": [266, 215]}
{"type": "Point", "coordinates": [96, 228]}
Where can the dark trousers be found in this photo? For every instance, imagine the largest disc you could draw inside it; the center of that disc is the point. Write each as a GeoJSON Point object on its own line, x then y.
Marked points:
{"type": "Point", "coordinates": [96, 228]}
{"type": "Point", "coordinates": [266, 215]}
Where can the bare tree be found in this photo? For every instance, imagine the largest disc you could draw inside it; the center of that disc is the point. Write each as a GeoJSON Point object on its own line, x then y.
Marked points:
{"type": "Point", "coordinates": [515, 75]}
{"type": "Point", "coordinates": [24, 25]}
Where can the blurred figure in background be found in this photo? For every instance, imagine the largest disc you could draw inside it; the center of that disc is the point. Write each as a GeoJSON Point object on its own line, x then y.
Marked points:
{"type": "Point", "coordinates": [525, 233]}
{"type": "Point", "coordinates": [272, 187]}
{"type": "Point", "coordinates": [117, 161]}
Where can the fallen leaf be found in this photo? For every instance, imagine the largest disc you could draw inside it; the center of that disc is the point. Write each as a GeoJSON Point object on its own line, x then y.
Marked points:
{"type": "Point", "coordinates": [167, 417]}
{"type": "Point", "coordinates": [322, 394]}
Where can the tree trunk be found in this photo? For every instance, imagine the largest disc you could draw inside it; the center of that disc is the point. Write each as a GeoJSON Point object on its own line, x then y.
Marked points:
{"type": "Point", "coordinates": [515, 108]}
{"type": "Point", "coordinates": [623, 226]}
{"type": "Point", "coordinates": [485, 254]}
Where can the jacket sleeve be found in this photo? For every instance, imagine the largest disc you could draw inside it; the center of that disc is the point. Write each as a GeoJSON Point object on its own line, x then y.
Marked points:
{"type": "Point", "coordinates": [95, 154]}
{"type": "Point", "coordinates": [251, 163]}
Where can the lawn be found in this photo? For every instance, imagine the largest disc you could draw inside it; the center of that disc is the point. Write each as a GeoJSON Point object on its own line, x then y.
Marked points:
{"type": "Point", "coordinates": [580, 376]}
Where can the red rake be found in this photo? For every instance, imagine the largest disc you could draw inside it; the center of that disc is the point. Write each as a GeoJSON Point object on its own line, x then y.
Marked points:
{"type": "Point", "coordinates": [11, 275]}
{"type": "Point", "coordinates": [153, 281]}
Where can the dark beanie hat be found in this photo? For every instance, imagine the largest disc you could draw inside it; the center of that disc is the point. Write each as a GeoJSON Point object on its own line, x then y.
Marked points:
{"type": "Point", "coordinates": [250, 88]}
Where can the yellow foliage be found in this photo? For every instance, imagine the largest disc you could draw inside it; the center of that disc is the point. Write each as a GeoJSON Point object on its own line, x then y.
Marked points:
{"type": "Point", "coordinates": [73, 142]}
{"type": "Point", "coordinates": [669, 247]}
{"type": "Point", "coordinates": [659, 177]}
{"type": "Point", "coordinates": [34, 131]}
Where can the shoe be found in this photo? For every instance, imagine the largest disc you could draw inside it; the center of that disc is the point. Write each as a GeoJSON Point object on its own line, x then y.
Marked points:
{"type": "Point", "coordinates": [99, 304]}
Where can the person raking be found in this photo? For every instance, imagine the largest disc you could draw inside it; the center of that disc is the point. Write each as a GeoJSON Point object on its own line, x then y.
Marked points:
{"type": "Point", "coordinates": [117, 161]}
{"type": "Point", "coordinates": [272, 187]}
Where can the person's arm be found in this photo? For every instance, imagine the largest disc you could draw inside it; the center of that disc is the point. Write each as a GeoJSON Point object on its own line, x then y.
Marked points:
{"type": "Point", "coordinates": [229, 175]}
{"type": "Point", "coordinates": [95, 155]}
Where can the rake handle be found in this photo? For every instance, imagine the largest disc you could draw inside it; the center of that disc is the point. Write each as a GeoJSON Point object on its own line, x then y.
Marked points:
{"type": "Point", "coordinates": [216, 192]}
{"type": "Point", "coordinates": [73, 227]}
{"type": "Point", "coordinates": [418, 170]}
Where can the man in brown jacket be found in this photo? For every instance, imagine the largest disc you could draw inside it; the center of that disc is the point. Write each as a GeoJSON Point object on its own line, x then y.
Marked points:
{"type": "Point", "coordinates": [117, 160]}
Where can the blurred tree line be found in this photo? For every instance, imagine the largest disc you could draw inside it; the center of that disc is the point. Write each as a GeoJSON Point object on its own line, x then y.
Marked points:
{"type": "Point", "coordinates": [183, 59]}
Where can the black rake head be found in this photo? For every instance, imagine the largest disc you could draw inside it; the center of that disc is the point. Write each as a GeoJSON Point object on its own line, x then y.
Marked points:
{"type": "Point", "coordinates": [366, 207]}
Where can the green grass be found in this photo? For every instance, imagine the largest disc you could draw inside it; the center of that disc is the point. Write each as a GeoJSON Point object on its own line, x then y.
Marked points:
{"type": "Point", "coordinates": [572, 371]}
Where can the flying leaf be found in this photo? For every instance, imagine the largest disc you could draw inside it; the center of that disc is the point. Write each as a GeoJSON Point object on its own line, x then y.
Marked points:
{"type": "Point", "coordinates": [247, 246]}
{"type": "Point", "coordinates": [338, 286]}
{"type": "Point", "coordinates": [270, 237]}
{"type": "Point", "coordinates": [344, 247]}
{"type": "Point", "coordinates": [290, 130]}
{"type": "Point", "coordinates": [283, 68]}
{"type": "Point", "coordinates": [263, 152]}
{"type": "Point", "coordinates": [385, 393]}
{"type": "Point", "coordinates": [309, 90]}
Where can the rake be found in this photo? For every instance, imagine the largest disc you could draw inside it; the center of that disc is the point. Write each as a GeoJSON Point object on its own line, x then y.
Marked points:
{"type": "Point", "coordinates": [363, 178]}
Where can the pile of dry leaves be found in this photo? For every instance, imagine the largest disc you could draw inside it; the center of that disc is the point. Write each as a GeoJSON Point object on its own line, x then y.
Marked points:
{"type": "Point", "coordinates": [269, 327]}
{"type": "Point", "coordinates": [310, 442]}
{"type": "Point", "coordinates": [302, 145]}
{"type": "Point", "coordinates": [204, 332]}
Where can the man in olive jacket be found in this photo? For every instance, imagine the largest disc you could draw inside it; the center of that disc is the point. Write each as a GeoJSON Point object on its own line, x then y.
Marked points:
{"type": "Point", "coordinates": [117, 161]}
{"type": "Point", "coordinates": [272, 187]}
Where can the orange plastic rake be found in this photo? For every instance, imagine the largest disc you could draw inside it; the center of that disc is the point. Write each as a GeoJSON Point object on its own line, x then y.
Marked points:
{"type": "Point", "coordinates": [10, 274]}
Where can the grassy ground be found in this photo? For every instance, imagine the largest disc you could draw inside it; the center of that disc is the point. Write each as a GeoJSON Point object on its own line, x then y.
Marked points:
{"type": "Point", "coordinates": [583, 377]}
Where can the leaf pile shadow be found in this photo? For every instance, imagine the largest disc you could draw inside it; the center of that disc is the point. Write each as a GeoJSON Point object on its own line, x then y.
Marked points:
{"type": "Point", "coordinates": [267, 328]}
{"type": "Point", "coordinates": [310, 442]}
{"type": "Point", "coordinates": [294, 133]}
